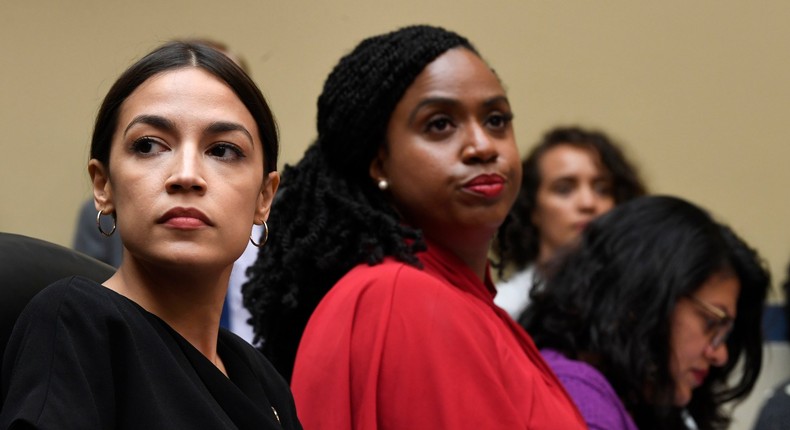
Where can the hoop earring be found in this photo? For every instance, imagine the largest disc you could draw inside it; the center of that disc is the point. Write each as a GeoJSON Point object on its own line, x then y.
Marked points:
{"type": "Point", "coordinates": [265, 236]}
{"type": "Point", "coordinates": [98, 224]}
{"type": "Point", "coordinates": [383, 184]}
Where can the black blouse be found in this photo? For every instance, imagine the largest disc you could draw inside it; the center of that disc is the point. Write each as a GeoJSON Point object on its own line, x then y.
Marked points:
{"type": "Point", "coordinates": [84, 357]}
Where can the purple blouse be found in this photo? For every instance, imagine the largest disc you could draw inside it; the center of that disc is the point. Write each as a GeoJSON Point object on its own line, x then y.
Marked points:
{"type": "Point", "coordinates": [592, 393]}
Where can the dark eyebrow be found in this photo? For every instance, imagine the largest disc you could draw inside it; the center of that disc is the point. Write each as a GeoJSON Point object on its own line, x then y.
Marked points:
{"type": "Point", "coordinates": [155, 121]}
{"type": "Point", "coordinates": [163, 123]}
{"type": "Point", "coordinates": [430, 101]}
{"type": "Point", "coordinates": [451, 102]}
{"type": "Point", "coordinates": [496, 100]}
{"type": "Point", "coordinates": [224, 126]}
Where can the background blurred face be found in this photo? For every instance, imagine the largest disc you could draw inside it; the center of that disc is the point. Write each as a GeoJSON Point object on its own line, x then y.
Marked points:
{"type": "Point", "coordinates": [186, 177]}
{"type": "Point", "coordinates": [693, 329]}
{"type": "Point", "coordinates": [574, 189]}
{"type": "Point", "coordinates": [451, 159]}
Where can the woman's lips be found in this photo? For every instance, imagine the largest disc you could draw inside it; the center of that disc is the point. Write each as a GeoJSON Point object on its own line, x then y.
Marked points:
{"type": "Point", "coordinates": [699, 376]}
{"type": "Point", "coordinates": [487, 185]}
{"type": "Point", "coordinates": [184, 218]}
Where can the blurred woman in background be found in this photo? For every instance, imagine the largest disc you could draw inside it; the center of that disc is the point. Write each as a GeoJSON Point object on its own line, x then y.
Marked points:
{"type": "Point", "coordinates": [571, 177]}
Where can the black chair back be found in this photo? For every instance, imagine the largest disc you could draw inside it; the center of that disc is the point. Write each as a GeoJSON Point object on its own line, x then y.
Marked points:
{"type": "Point", "coordinates": [27, 265]}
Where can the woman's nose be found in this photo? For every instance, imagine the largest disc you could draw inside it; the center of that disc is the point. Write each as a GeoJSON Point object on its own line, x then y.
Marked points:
{"type": "Point", "coordinates": [586, 199]}
{"type": "Point", "coordinates": [480, 146]}
{"type": "Point", "coordinates": [186, 174]}
{"type": "Point", "coordinates": [717, 355]}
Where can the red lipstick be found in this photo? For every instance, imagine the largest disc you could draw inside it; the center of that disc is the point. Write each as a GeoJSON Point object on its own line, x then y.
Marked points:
{"type": "Point", "coordinates": [488, 185]}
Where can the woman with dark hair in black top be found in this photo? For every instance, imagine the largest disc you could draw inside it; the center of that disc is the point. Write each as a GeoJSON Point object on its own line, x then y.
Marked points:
{"type": "Point", "coordinates": [183, 159]}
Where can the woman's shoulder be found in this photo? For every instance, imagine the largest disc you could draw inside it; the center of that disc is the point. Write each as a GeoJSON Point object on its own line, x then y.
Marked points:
{"type": "Point", "coordinates": [392, 283]}
{"type": "Point", "coordinates": [578, 371]}
{"type": "Point", "coordinates": [376, 293]}
{"type": "Point", "coordinates": [76, 303]}
{"type": "Point", "coordinates": [74, 291]}
{"type": "Point", "coordinates": [387, 269]}
{"type": "Point", "coordinates": [389, 274]}
{"type": "Point", "coordinates": [591, 391]}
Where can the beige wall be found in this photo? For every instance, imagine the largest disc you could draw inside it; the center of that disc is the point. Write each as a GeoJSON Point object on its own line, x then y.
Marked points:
{"type": "Point", "coordinates": [698, 90]}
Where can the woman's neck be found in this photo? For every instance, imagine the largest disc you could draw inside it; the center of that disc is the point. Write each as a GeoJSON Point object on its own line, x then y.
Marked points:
{"type": "Point", "coordinates": [545, 252]}
{"type": "Point", "coordinates": [189, 302]}
{"type": "Point", "coordinates": [473, 253]}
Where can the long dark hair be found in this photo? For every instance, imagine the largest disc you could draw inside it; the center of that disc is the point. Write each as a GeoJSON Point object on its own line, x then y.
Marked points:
{"type": "Point", "coordinates": [329, 216]}
{"type": "Point", "coordinates": [176, 55]}
{"type": "Point", "coordinates": [610, 302]}
{"type": "Point", "coordinates": [518, 240]}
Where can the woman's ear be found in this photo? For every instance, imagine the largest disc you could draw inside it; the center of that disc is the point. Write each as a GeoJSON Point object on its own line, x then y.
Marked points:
{"type": "Point", "coordinates": [377, 170]}
{"type": "Point", "coordinates": [102, 187]}
{"type": "Point", "coordinates": [266, 197]}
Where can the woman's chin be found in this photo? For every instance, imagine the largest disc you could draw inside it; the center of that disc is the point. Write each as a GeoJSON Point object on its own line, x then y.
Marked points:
{"type": "Point", "coordinates": [682, 396]}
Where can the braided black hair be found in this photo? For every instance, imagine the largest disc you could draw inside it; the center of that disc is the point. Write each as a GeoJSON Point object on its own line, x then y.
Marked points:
{"type": "Point", "coordinates": [329, 216]}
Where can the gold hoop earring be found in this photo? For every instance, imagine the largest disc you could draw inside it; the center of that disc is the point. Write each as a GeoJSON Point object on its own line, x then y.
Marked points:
{"type": "Point", "coordinates": [98, 224]}
{"type": "Point", "coordinates": [265, 236]}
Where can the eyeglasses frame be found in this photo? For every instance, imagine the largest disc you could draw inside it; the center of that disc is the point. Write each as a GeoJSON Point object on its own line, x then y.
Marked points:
{"type": "Point", "coordinates": [724, 324]}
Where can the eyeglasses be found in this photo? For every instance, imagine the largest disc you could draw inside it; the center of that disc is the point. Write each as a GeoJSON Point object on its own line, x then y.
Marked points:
{"type": "Point", "coordinates": [720, 325]}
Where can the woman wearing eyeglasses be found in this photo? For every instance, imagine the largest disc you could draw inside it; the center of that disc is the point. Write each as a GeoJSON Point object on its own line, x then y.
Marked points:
{"type": "Point", "coordinates": [644, 321]}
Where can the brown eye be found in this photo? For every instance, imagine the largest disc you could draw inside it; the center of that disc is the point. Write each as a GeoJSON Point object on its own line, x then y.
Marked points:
{"type": "Point", "coordinates": [711, 325]}
{"type": "Point", "coordinates": [439, 124]}
{"type": "Point", "coordinates": [563, 188]}
{"type": "Point", "coordinates": [225, 151]}
{"type": "Point", "coordinates": [499, 120]}
{"type": "Point", "coordinates": [147, 146]}
{"type": "Point", "coordinates": [603, 188]}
